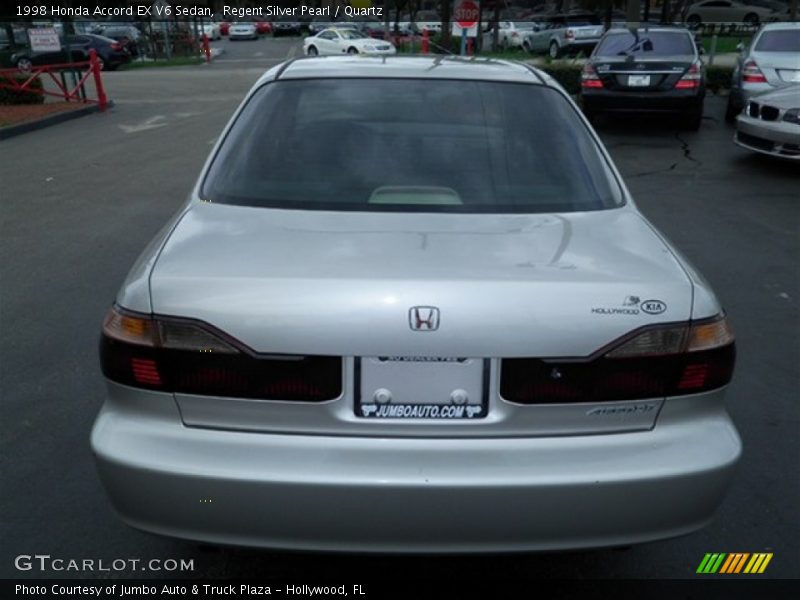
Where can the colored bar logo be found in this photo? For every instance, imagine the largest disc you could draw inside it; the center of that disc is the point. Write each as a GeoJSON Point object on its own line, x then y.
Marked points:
{"type": "Point", "coordinates": [734, 563]}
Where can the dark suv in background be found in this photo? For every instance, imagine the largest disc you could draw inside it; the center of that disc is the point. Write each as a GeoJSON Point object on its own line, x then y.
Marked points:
{"type": "Point", "coordinates": [647, 70]}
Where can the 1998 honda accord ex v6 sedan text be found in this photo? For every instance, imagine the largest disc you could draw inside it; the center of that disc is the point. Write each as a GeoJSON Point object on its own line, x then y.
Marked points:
{"type": "Point", "coordinates": [411, 306]}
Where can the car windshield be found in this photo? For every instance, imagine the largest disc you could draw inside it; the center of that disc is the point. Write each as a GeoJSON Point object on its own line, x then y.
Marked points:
{"type": "Point", "coordinates": [411, 145]}
{"type": "Point", "coordinates": [351, 34]}
{"type": "Point", "coordinates": [652, 43]}
{"type": "Point", "coordinates": [787, 40]}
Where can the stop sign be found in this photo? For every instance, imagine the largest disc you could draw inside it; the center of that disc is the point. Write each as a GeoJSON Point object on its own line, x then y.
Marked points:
{"type": "Point", "coordinates": [467, 13]}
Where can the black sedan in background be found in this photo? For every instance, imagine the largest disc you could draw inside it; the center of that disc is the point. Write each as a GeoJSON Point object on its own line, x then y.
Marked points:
{"type": "Point", "coordinates": [647, 70]}
{"type": "Point", "coordinates": [111, 53]}
{"type": "Point", "coordinates": [286, 26]}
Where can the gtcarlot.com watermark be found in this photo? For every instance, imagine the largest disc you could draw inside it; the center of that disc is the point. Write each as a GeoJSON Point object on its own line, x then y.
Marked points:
{"type": "Point", "coordinates": [47, 563]}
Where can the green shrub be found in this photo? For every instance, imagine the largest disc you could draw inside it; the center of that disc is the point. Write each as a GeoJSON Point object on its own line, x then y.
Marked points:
{"type": "Point", "coordinates": [10, 96]}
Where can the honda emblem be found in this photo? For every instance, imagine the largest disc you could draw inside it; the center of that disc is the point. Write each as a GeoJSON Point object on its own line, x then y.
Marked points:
{"type": "Point", "coordinates": [423, 318]}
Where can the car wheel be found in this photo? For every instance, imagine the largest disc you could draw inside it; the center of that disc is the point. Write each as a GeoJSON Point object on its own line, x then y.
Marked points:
{"type": "Point", "coordinates": [352, 50]}
{"type": "Point", "coordinates": [693, 20]}
{"type": "Point", "coordinates": [312, 51]}
{"type": "Point", "coordinates": [555, 51]}
{"type": "Point", "coordinates": [526, 46]}
{"type": "Point", "coordinates": [751, 19]}
{"type": "Point", "coordinates": [25, 65]}
{"type": "Point", "coordinates": [731, 110]}
{"type": "Point", "coordinates": [694, 118]}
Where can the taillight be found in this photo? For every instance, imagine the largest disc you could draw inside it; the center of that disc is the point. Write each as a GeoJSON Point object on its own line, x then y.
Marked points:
{"type": "Point", "coordinates": [752, 74]}
{"type": "Point", "coordinates": [116, 46]}
{"type": "Point", "coordinates": [691, 79]}
{"type": "Point", "coordinates": [590, 78]}
{"type": "Point", "coordinates": [658, 362]}
{"type": "Point", "coordinates": [189, 357]}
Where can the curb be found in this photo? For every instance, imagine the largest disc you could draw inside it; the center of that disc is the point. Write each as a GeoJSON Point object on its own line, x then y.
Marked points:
{"type": "Point", "coordinates": [14, 130]}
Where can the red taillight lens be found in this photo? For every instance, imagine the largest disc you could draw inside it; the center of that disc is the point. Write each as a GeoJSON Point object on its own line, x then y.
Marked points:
{"type": "Point", "coordinates": [116, 46]}
{"type": "Point", "coordinates": [658, 362]}
{"type": "Point", "coordinates": [590, 78]}
{"type": "Point", "coordinates": [180, 356]}
{"type": "Point", "coordinates": [752, 74]}
{"type": "Point", "coordinates": [691, 79]}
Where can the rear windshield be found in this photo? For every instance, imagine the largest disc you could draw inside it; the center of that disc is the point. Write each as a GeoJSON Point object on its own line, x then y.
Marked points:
{"type": "Point", "coordinates": [646, 44]}
{"type": "Point", "coordinates": [787, 40]}
{"type": "Point", "coordinates": [410, 145]}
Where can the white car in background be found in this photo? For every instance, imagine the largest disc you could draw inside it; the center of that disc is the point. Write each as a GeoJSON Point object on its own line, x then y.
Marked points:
{"type": "Point", "coordinates": [335, 41]}
{"type": "Point", "coordinates": [512, 34]}
{"type": "Point", "coordinates": [211, 29]}
{"type": "Point", "coordinates": [243, 31]}
{"type": "Point", "coordinates": [729, 11]}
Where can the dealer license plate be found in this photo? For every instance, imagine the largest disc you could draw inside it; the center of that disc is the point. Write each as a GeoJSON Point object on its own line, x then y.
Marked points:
{"type": "Point", "coordinates": [638, 80]}
{"type": "Point", "coordinates": [419, 387]}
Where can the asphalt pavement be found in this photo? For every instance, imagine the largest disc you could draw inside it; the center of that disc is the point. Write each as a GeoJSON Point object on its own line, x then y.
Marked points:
{"type": "Point", "coordinates": [81, 200]}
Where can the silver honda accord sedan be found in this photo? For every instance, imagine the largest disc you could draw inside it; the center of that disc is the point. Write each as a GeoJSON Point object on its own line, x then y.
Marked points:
{"type": "Point", "coordinates": [410, 306]}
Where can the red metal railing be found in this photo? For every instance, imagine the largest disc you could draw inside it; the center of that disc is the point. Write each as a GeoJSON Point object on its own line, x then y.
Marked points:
{"type": "Point", "coordinates": [10, 78]}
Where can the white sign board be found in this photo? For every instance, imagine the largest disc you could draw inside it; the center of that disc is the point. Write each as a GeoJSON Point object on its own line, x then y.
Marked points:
{"type": "Point", "coordinates": [44, 40]}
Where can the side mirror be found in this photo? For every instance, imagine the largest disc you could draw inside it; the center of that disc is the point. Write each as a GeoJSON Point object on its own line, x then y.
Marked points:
{"type": "Point", "coordinates": [536, 28]}
{"type": "Point", "coordinates": [701, 50]}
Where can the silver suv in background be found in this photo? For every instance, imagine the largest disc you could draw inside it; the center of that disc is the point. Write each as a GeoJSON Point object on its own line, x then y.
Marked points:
{"type": "Point", "coordinates": [564, 34]}
{"type": "Point", "coordinates": [771, 61]}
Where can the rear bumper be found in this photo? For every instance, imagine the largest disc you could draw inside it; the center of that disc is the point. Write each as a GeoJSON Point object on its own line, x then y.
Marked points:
{"type": "Point", "coordinates": [624, 101]}
{"type": "Point", "coordinates": [413, 494]}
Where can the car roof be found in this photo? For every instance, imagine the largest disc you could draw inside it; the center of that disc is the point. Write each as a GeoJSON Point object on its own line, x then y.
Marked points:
{"type": "Point", "coordinates": [656, 29]}
{"type": "Point", "coordinates": [416, 67]}
{"type": "Point", "coordinates": [781, 25]}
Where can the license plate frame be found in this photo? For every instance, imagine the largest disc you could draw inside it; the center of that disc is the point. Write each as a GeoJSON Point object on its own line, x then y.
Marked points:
{"type": "Point", "coordinates": [470, 374]}
{"type": "Point", "coordinates": [789, 75]}
{"type": "Point", "coordinates": [638, 80]}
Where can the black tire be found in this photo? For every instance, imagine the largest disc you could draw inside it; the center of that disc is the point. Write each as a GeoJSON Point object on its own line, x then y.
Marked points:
{"type": "Point", "coordinates": [554, 50]}
{"type": "Point", "coordinates": [312, 51]}
{"type": "Point", "coordinates": [526, 47]}
{"type": "Point", "coordinates": [751, 19]}
{"type": "Point", "coordinates": [352, 50]}
{"type": "Point", "coordinates": [694, 118]}
{"type": "Point", "coordinates": [731, 110]}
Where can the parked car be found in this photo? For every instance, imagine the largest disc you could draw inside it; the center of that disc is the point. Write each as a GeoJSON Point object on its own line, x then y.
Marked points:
{"type": "Point", "coordinates": [770, 123]}
{"type": "Point", "coordinates": [337, 40]}
{"type": "Point", "coordinates": [286, 25]}
{"type": "Point", "coordinates": [20, 38]}
{"type": "Point", "coordinates": [564, 34]}
{"type": "Point", "coordinates": [243, 30]}
{"type": "Point", "coordinates": [770, 61]}
{"type": "Point", "coordinates": [264, 27]}
{"type": "Point", "coordinates": [211, 29]}
{"type": "Point", "coordinates": [110, 53]}
{"type": "Point", "coordinates": [511, 35]}
{"type": "Point", "coordinates": [130, 38]}
{"type": "Point", "coordinates": [385, 311]}
{"type": "Point", "coordinates": [655, 69]}
{"type": "Point", "coordinates": [728, 11]}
